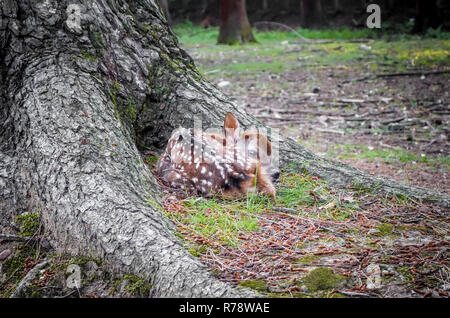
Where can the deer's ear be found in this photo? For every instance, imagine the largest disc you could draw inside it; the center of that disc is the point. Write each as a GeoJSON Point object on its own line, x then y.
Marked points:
{"type": "Point", "coordinates": [231, 126]}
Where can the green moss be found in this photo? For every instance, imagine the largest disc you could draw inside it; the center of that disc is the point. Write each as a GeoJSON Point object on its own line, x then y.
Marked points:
{"type": "Point", "coordinates": [255, 284]}
{"type": "Point", "coordinates": [150, 160]}
{"type": "Point", "coordinates": [34, 291]}
{"type": "Point", "coordinates": [85, 55]}
{"type": "Point", "coordinates": [307, 259]}
{"type": "Point", "coordinates": [286, 295]}
{"type": "Point", "coordinates": [98, 38]}
{"type": "Point", "coordinates": [385, 229]}
{"type": "Point", "coordinates": [280, 295]}
{"type": "Point", "coordinates": [83, 260]}
{"type": "Point", "coordinates": [14, 266]}
{"type": "Point", "coordinates": [29, 224]}
{"type": "Point", "coordinates": [337, 295]}
{"type": "Point", "coordinates": [130, 110]}
{"type": "Point", "coordinates": [97, 41]}
{"type": "Point", "coordinates": [6, 293]}
{"type": "Point", "coordinates": [135, 285]}
{"type": "Point", "coordinates": [131, 113]}
{"type": "Point", "coordinates": [321, 278]}
{"type": "Point", "coordinates": [197, 250]}
{"type": "Point", "coordinates": [405, 272]}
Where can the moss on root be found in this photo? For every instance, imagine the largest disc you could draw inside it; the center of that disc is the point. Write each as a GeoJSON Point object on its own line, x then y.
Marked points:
{"type": "Point", "coordinates": [322, 279]}
{"type": "Point", "coordinates": [255, 284]}
{"type": "Point", "coordinates": [135, 285]}
{"type": "Point", "coordinates": [28, 223]}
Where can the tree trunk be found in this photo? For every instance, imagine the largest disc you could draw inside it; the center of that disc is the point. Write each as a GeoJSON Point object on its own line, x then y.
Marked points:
{"type": "Point", "coordinates": [83, 87]}
{"type": "Point", "coordinates": [427, 15]}
{"type": "Point", "coordinates": [164, 4]}
{"type": "Point", "coordinates": [265, 4]}
{"type": "Point", "coordinates": [234, 25]}
{"type": "Point", "coordinates": [311, 13]}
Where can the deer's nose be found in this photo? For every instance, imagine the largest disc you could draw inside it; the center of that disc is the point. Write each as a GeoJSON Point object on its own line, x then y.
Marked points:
{"type": "Point", "coordinates": [275, 175]}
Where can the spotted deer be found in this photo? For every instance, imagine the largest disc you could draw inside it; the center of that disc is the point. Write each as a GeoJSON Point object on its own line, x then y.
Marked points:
{"type": "Point", "coordinates": [230, 164]}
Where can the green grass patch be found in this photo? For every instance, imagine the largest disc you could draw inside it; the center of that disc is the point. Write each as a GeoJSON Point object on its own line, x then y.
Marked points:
{"type": "Point", "coordinates": [150, 160]}
{"type": "Point", "coordinates": [299, 190]}
{"type": "Point", "coordinates": [258, 66]}
{"type": "Point", "coordinates": [413, 53]}
{"type": "Point", "coordinates": [220, 220]}
{"type": "Point", "coordinates": [302, 191]}
{"type": "Point", "coordinates": [363, 152]}
{"type": "Point", "coordinates": [367, 153]}
{"type": "Point", "coordinates": [390, 52]}
{"type": "Point", "coordinates": [188, 33]}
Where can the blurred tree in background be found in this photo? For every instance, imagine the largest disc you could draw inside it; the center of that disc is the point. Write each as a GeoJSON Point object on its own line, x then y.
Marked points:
{"type": "Point", "coordinates": [234, 25]}
{"type": "Point", "coordinates": [311, 13]}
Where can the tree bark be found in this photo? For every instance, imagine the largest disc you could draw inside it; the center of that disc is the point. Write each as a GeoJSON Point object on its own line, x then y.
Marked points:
{"type": "Point", "coordinates": [427, 15]}
{"type": "Point", "coordinates": [234, 25]}
{"type": "Point", "coordinates": [164, 4]}
{"type": "Point", "coordinates": [83, 88]}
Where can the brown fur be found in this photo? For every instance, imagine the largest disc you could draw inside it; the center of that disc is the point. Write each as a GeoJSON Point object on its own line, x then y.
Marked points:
{"type": "Point", "coordinates": [232, 168]}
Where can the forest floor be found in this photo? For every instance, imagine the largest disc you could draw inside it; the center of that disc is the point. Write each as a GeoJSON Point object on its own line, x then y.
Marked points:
{"type": "Point", "coordinates": [343, 96]}
{"type": "Point", "coordinates": [381, 105]}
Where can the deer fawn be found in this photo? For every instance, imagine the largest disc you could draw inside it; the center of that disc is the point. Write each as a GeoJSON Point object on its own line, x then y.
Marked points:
{"type": "Point", "coordinates": [230, 164]}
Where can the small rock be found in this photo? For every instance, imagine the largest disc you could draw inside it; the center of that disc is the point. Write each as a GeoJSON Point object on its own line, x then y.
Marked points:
{"type": "Point", "coordinates": [365, 47]}
{"type": "Point", "coordinates": [373, 231]}
{"type": "Point", "coordinates": [223, 84]}
{"type": "Point", "coordinates": [5, 254]}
